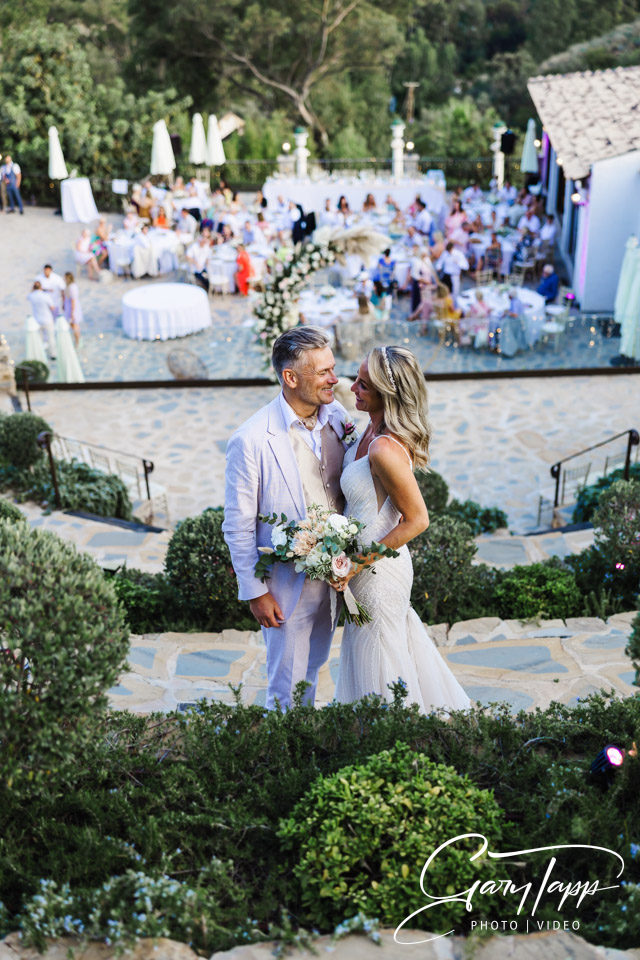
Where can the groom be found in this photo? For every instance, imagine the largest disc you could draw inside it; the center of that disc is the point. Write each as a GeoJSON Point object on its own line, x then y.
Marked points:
{"type": "Point", "coordinates": [287, 456]}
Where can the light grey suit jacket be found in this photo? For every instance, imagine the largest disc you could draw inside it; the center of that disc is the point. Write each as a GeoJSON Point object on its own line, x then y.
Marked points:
{"type": "Point", "coordinates": [262, 476]}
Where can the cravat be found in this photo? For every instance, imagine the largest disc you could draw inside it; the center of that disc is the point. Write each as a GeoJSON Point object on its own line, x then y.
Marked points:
{"type": "Point", "coordinates": [309, 422]}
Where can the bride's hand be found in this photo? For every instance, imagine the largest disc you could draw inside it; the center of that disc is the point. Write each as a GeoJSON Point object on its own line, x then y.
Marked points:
{"type": "Point", "coordinates": [340, 585]}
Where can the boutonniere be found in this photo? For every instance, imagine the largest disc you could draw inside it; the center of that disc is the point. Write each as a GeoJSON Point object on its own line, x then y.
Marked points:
{"type": "Point", "coordinates": [349, 434]}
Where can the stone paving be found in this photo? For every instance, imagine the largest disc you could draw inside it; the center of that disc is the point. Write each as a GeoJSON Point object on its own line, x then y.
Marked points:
{"type": "Point", "coordinates": [227, 348]}
{"type": "Point", "coordinates": [525, 664]}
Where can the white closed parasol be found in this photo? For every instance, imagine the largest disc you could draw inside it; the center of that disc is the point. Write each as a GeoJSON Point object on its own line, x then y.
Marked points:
{"type": "Point", "coordinates": [57, 166]}
{"type": "Point", "coordinates": [198, 148]}
{"type": "Point", "coordinates": [215, 150]}
{"type": "Point", "coordinates": [163, 162]}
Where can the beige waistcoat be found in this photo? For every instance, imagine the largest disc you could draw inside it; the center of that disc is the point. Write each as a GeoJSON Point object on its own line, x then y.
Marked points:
{"type": "Point", "coordinates": [320, 478]}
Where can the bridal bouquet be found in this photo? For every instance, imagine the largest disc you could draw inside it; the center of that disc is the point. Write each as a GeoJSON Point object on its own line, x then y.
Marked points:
{"type": "Point", "coordinates": [324, 547]}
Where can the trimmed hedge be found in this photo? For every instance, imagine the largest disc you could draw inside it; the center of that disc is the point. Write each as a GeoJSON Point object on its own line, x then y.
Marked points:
{"type": "Point", "coordinates": [18, 436]}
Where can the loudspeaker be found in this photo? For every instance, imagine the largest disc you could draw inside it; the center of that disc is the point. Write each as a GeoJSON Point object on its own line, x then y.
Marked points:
{"type": "Point", "coordinates": [508, 142]}
{"type": "Point", "coordinates": [176, 144]}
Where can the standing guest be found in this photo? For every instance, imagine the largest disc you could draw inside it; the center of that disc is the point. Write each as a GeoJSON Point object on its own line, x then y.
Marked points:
{"type": "Point", "coordinates": [82, 255]}
{"type": "Point", "coordinates": [197, 256]}
{"type": "Point", "coordinates": [11, 175]}
{"type": "Point", "coordinates": [3, 190]}
{"type": "Point", "coordinates": [385, 270]}
{"type": "Point", "coordinates": [43, 312]}
{"type": "Point", "coordinates": [423, 221]}
{"type": "Point", "coordinates": [72, 308]}
{"type": "Point", "coordinates": [380, 301]}
{"type": "Point", "coordinates": [455, 220]}
{"type": "Point", "coordinates": [550, 284]}
{"type": "Point", "coordinates": [449, 266]}
{"type": "Point", "coordinates": [438, 245]}
{"type": "Point", "coordinates": [428, 283]}
{"type": "Point", "coordinates": [53, 285]}
{"type": "Point", "coordinates": [245, 270]}
{"type": "Point", "coordinates": [415, 272]}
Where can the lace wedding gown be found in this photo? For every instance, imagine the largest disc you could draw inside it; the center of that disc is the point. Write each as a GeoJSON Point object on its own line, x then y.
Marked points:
{"type": "Point", "coordinates": [395, 644]}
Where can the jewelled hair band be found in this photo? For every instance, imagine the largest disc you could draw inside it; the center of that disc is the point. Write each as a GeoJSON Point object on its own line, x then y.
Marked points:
{"type": "Point", "coordinates": [387, 367]}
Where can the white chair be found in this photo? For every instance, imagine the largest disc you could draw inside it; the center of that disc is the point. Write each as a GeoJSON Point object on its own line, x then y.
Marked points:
{"type": "Point", "coordinates": [552, 331]}
{"type": "Point", "coordinates": [123, 265]}
{"type": "Point", "coordinates": [218, 282]}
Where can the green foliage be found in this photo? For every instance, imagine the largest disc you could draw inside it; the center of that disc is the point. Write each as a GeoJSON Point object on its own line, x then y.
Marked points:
{"type": "Point", "coordinates": [617, 526]}
{"type": "Point", "coordinates": [18, 439]}
{"type": "Point", "coordinates": [33, 371]}
{"type": "Point", "coordinates": [362, 835]}
{"type": "Point", "coordinates": [434, 490]}
{"type": "Point", "coordinates": [457, 128]}
{"type": "Point", "coordinates": [602, 584]}
{"type": "Point", "coordinates": [150, 602]}
{"type": "Point", "coordinates": [64, 643]}
{"type": "Point", "coordinates": [164, 796]}
{"type": "Point", "coordinates": [633, 648]}
{"type": "Point", "coordinates": [480, 519]}
{"type": "Point", "coordinates": [538, 590]}
{"type": "Point", "coordinates": [81, 487]}
{"type": "Point", "coordinates": [198, 567]}
{"type": "Point", "coordinates": [9, 512]}
{"type": "Point", "coordinates": [588, 498]}
{"type": "Point", "coordinates": [442, 568]}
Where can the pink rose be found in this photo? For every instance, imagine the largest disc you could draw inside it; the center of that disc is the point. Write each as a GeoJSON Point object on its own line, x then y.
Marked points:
{"type": "Point", "coordinates": [340, 566]}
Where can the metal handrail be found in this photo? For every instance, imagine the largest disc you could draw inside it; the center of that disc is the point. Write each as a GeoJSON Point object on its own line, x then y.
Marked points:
{"type": "Point", "coordinates": [632, 441]}
{"type": "Point", "coordinates": [45, 438]}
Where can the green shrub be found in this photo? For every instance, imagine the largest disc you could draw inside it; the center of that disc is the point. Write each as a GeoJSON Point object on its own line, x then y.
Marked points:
{"type": "Point", "coordinates": [633, 648]}
{"type": "Point", "coordinates": [617, 525]}
{"type": "Point", "coordinates": [434, 489]}
{"type": "Point", "coordinates": [9, 512]}
{"type": "Point", "coordinates": [150, 602]}
{"type": "Point", "coordinates": [538, 590]}
{"type": "Point", "coordinates": [198, 566]}
{"type": "Point", "coordinates": [605, 588]}
{"type": "Point", "coordinates": [480, 519]}
{"type": "Point", "coordinates": [588, 497]}
{"type": "Point", "coordinates": [442, 568]}
{"type": "Point", "coordinates": [18, 439]}
{"type": "Point", "coordinates": [361, 837]}
{"type": "Point", "coordinates": [63, 645]}
{"type": "Point", "coordinates": [81, 487]}
{"type": "Point", "coordinates": [32, 370]}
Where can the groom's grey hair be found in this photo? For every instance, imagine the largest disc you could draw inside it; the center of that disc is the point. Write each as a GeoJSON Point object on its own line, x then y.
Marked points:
{"type": "Point", "coordinates": [290, 346]}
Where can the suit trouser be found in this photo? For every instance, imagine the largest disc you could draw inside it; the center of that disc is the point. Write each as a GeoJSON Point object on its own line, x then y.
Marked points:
{"type": "Point", "coordinates": [49, 337]}
{"type": "Point", "coordinates": [13, 195]}
{"type": "Point", "coordinates": [299, 648]}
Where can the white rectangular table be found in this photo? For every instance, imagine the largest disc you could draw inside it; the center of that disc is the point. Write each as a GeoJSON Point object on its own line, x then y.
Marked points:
{"type": "Point", "coordinates": [78, 205]}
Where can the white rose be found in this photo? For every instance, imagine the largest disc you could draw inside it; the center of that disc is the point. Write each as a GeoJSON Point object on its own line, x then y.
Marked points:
{"type": "Point", "coordinates": [338, 522]}
{"type": "Point", "coordinates": [279, 535]}
{"type": "Point", "coordinates": [352, 528]}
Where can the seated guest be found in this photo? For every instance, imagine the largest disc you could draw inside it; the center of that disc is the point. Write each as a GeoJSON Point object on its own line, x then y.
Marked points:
{"type": "Point", "coordinates": [245, 270]}
{"type": "Point", "coordinates": [473, 193]}
{"type": "Point", "coordinates": [328, 217]}
{"type": "Point", "coordinates": [248, 234]}
{"type": "Point", "coordinates": [547, 233]}
{"type": "Point", "coordinates": [523, 247]}
{"type": "Point", "coordinates": [516, 212]}
{"type": "Point", "coordinates": [508, 193]}
{"type": "Point", "coordinates": [391, 205]}
{"type": "Point", "coordinates": [529, 221]}
{"type": "Point", "coordinates": [366, 310]}
{"type": "Point", "coordinates": [187, 226]}
{"type": "Point", "coordinates": [192, 204]}
{"type": "Point", "coordinates": [380, 300]}
{"type": "Point", "coordinates": [131, 220]}
{"type": "Point", "coordinates": [344, 210]}
{"type": "Point", "coordinates": [259, 205]}
{"type": "Point", "coordinates": [549, 285]}
{"type": "Point", "coordinates": [43, 312]}
{"type": "Point", "coordinates": [83, 255]}
{"type": "Point", "coordinates": [493, 256]}
{"type": "Point", "coordinates": [144, 261]}
{"type": "Point", "coordinates": [197, 256]}
{"type": "Point", "coordinates": [516, 307]}
{"type": "Point", "coordinates": [226, 232]}
{"type": "Point", "coordinates": [456, 218]}
{"type": "Point", "coordinates": [225, 189]}
{"type": "Point", "coordinates": [160, 220]}
{"type": "Point", "coordinates": [369, 203]}
{"type": "Point", "coordinates": [363, 285]}
{"type": "Point", "coordinates": [476, 320]}
{"type": "Point", "coordinates": [53, 285]}
{"type": "Point", "coordinates": [99, 240]}
{"type": "Point", "coordinates": [178, 187]}
{"type": "Point", "coordinates": [479, 308]}
{"type": "Point", "coordinates": [444, 305]}
{"type": "Point", "coordinates": [142, 204]}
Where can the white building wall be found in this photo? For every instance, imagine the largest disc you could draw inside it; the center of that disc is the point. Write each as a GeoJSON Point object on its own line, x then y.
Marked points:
{"type": "Point", "coordinates": [613, 213]}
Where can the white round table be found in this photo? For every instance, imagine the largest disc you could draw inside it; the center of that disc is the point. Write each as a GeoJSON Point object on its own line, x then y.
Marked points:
{"type": "Point", "coordinates": [162, 311]}
{"type": "Point", "coordinates": [327, 311]}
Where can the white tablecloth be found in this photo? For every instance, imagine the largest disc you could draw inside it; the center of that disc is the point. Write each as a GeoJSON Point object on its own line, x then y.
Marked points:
{"type": "Point", "coordinates": [521, 333]}
{"type": "Point", "coordinates": [325, 312]}
{"type": "Point", "coordinates": [164, 244]}
{"type": "Point", "coordinates": [508, 245]}
{"type": "Point", "coordinates": [161, 311]}
{"type": "Point", "coordinates": [78, 205]}
{"type": "Point", "coordinates": [311, 195]}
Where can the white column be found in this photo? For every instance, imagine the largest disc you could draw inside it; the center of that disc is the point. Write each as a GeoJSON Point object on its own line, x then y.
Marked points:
{"type": "Point", "coordinates": [498, 156]}
{"type": "Point", "coordinates": [301, 136]}
{"type": "Point", "coordinates": [397, 150]}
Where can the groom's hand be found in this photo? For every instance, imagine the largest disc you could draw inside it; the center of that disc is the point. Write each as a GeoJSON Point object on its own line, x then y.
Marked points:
{"type": "Point", "coordinates": [266, 610]}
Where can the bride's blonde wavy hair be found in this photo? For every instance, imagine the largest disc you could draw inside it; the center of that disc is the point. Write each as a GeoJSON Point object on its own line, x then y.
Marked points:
{"type": "Point", "coordinates": [396, 375]}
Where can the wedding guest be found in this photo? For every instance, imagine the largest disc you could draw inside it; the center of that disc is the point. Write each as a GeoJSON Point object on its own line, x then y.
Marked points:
{"type": "Point", "coordinates": [131, 220]}
{"type": "Point", "coordinates": [508, 193]}
{"type": "Point", "coordinates": [99, 241]}
{"type": "Point", "coordinates": [550, 284]}
{"type": "Point", "coordinates": [423, 221]}
{"type": "Point", "coordinates": [248, 235]}
{"type": "Point", "coordinates": [187, 226]}
{"type": "Point", "coordinates": [473, 193]}
{"type": "Point", "coordinates": [493, 256]}
{"type": "Point", "coordinates": [516, 306]}
{"type": "Point", "coordinates": [363, 285]}
{"type": "Point", "coordinates": [328, 217]}
{"type": "Point", "coordinates": [245, 270]}
{"type": "Point", "coordinates": [385, 270]}
{"type": "Point", "coordinates": [415, 273]}
{"type": "Point", "coordinates": [197, 256]}
{"type": "Point", "coordinates": [11, 176]}
{"type": "Point", "coordinates": [142, 204]}
{"type": "Point", "coordinates": [380, 301]}
{"type": "Point", "coordinates": [366, 310]}
{"type": "Point", "coordinates": [547, 233]}
{"type": "Point", "coordinates": [449, 266]}
{"type": "Point", "coordinates": [72, 307]}
{"type": "Point", "coordinates": [83, 255]}
{"type": "Point", "coordinates": [428, 283]}
{"type": "Point", "coordinates": [43, 312]}
{"type": "Point", "coordinates": [438, 245]}
{"type": "Point", "coordinates": [455, 220]}
{"type": "Point", "coordinates": [530, 222]}
{"type": "Point", "coordinates": [160, 219]}
{"type": "Point", "coordinates": [369, 203]}
{"type": "Point", "coordinates": [53, 285]}
{"type": "Point", "coordinates": [523, 247]}
{"type": "Point", "coordinates": [476, 320]}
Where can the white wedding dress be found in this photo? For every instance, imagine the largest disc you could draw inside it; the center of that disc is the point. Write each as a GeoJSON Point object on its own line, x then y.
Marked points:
{"type": "Point", "coordinates": [395, 645]}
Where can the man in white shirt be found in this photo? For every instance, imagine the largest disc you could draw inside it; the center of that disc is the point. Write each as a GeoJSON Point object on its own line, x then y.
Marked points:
{"type": "Point", "coordinates": [530, 221]}
{"type": "Point", "coordinates": [187, 226]}
{"type": "Point", "coordinates": [508, 193]}
{"type": "Point", "coordinates": [197, 256]}
{"type": "Point", "coordinates": [548, 231]}
{"type": "Point", "coordinates": [52, 284]}
{"type": "Point", "coordinates": [43, 313]}
{"type": "Point", "coordinates": [423, 221]}
{"type": "Point", "coordinates": [450, 265]}
{"type": "Point", "coordinates": [472, 194]}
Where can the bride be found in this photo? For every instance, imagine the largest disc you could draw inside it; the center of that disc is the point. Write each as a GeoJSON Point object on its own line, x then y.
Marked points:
{"type": "Point", "coordinates": [382, 492]}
